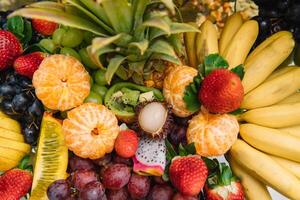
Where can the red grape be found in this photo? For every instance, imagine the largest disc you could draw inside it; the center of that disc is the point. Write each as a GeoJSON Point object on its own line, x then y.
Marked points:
{"type": "Point", "coordinates": [121, 194]}
{"type": "Point", "coordinates": [138, 186]}
{"type": "Point", "coordinates": [116, 176]}
{"type": "Point", "coordinates": [82, 177]}
{"type": "Point", "coordinates": [58, 190]}
{"type": "Point", "coordinates": [158, 179]}
{"type": "Point", "coordinates": [103, 161]}
{"type": "Point", "coordinates": [121, 160]}
{"type": "Point", "coordinates": [160, 192]}
{"type": "Point", "coordinates": [77, 163]}
{"type": "Point", "coordinates": [179, 196]}
{"type": "Point", "coordinates": [92, 191]}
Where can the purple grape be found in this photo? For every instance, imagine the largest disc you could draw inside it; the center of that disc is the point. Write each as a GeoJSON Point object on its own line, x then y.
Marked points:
{"type": "Point", "coordinates": [177, 135]}
{"type": "Point", "coordinates": [58, 190]}
{"type": "Point", "coordinates": [116, 176]}
{"type": "Point", "coordinates": [120, 160]}
{"type": "Point", "coordinates": [92, 191]}
{"type": "Point", "coordinates": [77, 163]}
{"type": "Point", "coordinates": [82, 177]}
{"type": "Point", "coordinates": [158, 180]}
{"type": "Point", "coordinates": [121, 194]}
{"type": "Point", "coordinates": [138, 186]}
{"type": "Point", "coordinates": [160, 192]}
{"type": "Point", "coordinates": [179, 196]}
{"type": "Point", "coordinates": [103, 161]}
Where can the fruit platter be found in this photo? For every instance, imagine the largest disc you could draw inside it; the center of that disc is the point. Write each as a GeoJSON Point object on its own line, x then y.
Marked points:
{"type": "Point", "coordinates": [149, 100]}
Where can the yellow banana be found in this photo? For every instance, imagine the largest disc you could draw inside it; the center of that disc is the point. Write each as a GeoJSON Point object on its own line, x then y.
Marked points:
{"type": "Point", "coordinates": [273, 91]}
{"type": "Point", "coordinates": [190, 46]}
{"type": "Point", "coordinates": [10, 124]}
{"type": "Point", "coordinates": [266, 169]}
{"type": "Point", "coordinates": [276, 116]}
{"type": "Point", "coordinates": [11, 154]}
{"type": "Point", "coordinates": [253, 188]}
{"type": "Point", "coordinates": [292, 130]}
{"type": "Point", "coordinates": [4, 133]}
{"type": "Point", "coordinates": [232, 25]}
{"type": "Point", "coordinates": [206, 40]}
{"type": "Point", "coordinates": [291, 166]}
{"type": "Point", "coordinates": [272, 141]}
{"type": "Point", "coordinates": [7, 164]}
{"type": "Point", "coordinates": [236, 52]}
{"type": "Point", "coordinates": [280, 72]}
{"type": "Point", "coordinates": [260, 66]}
{"type": "Point", "coordinates": [19, 146]}
{"type": "Point", "coordinates": [294, 98]}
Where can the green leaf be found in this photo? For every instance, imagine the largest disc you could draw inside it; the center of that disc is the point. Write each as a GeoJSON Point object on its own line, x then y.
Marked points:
{"type": "Point", "coordinates": [182, 151]}
{"type": "Point", "coordinates": [165, 176]}
{"type": "Point", "coordinates": [165, 57]}
{"type": "Point", "coordinates": [137, 67]}
{"type": "Point", "coordinates": [239, 70]}
{"type": "Point", "coordinates": [159, 23]}
{"type": "Point", "coordinates": [16, 26]}
{"type": "Point", "coordinates": [48, 5]}
{"type": "Point", "coordinates": [97, 9]}
{"type": "Point", "coordinates": [182, 28]}
{"type": "Point", "coordinates": [225, 174]}
{"type": "Point", "coordinates": [238, 111]}
{"type": "Point", "coordinates": [212, 164]}
{"type": "Point", "coordinates": [122, 73]}
{"type": "Point", "coordinates": [175, 41]}
{"type": "Point", "coordinates": [190, 148]}
{"type": "Point", "coordinates": [142, 45]}
{"type": "Point", "coordinates": [170, 150]}
{"type": "Point", "coordinates": [162, 47]}
{"type": "Point", "coordinates": [34, 48]}
{"type": "Point", "coordinates": [95, 56]}
{"type": "Point", "coordinates": [113, 66]}
{"type": "Point", "coordinates": [24, 163]}
{"type": "Point", "coordinates": [139, 10]}
{"type": "Point", "coordinates": [214, 61]}
{"type": "Point", "coordinates": [27, 33]}
{"type": "Point", "coordinates": [170, 5]}
{"type": "Point", "coordinates": [191, 94]}
{"type": "Point", "coordinates": [137, 78]}
{"type": "Point", "coordinates": [100, 42]}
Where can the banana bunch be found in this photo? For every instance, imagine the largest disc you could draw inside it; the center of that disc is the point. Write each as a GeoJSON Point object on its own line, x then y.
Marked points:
{"type": "Point", "coordinates": [12, 145]}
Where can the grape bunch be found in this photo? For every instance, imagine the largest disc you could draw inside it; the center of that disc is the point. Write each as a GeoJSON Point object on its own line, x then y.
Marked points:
{"type": "Point", "coordinates": [20, 102]}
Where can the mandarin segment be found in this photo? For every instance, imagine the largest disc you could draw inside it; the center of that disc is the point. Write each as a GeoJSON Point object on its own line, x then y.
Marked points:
{"type": "Point", "coordinates": [61, 82]}
{"type": "Point", "coordinates": [174, 88]}
{"type": "Point", "coordinates": [90, 130]}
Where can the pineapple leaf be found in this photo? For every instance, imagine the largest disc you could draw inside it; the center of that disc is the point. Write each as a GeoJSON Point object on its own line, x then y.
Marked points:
{"type": "Point", "coordinates": [122, 73]}
{"type": "Point", "coordinates": [142, 45]}
{"type": "Point", "coordinates": [95, 56]}
{"type": "Point", "coordinates": [113, 66]}
{"type": "Point", "coordinates": [170, 5]}
{"type": "Point", "coordinates": [158, 23]}
{"type": "Point", "coordinates": [137, 67]}
{"type": "Point", "coordinates": [48, 5]}
{"type": "Point", "coordinates": [96, 9]}
{"type": "Point", "coordinates": [162, 47]}
{"type": "Point", "coordinates": [139, 10]}
{"type": "Point", "coordinates": [60, 18]}
{"type": "Point", "coordinates": [165, 57]}
{"type": "Point", "coordinates": [175, 41]}
{"type": "Point", "coordinates": [182, 28]}
{"type": "Point", "coordinates": [100, 42]}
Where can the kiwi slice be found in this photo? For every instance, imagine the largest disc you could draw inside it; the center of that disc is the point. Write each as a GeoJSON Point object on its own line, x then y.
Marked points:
{"type": "Point", "coordinates": [51, 158]}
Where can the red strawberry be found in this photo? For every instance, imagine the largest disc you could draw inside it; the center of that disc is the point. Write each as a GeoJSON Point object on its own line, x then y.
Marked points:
{"type": "Point", "coordinates": [221, 91]}
{"type": "Point", "coordinates": [26, 65]}
{"type": "Point", "coordinates": [126, 143]}
{"type": "Point", "coordinates": [14, 184]}
{"type": "Point", "coordinates": [44, 27]}
{"type": "Point", "coordinates": [188, 174]}
{"type": "Point", "coordinates": [10, 49]}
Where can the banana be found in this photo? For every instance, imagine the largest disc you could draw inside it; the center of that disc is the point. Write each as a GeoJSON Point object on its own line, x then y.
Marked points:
{"type": "Point", "coordinates": [2, 114]}
{"type": "Point", "coordinates": [265, 169]}
{"type": "Point", "coordinates": [236, 52]}
{"type": "Point", "coordinates": [232, 25]}
{"type": "Point", "coordinates": [266, 60]}
{"type": "Point", "coordinates": [291, 166]}
{"type": "Point", "coordinates": [10, 124]}
{"type": "Point", "coordinates": [206, 40]}
{"type": "Point", "coordinates": [7, 164]}
{"type": "Point", "coordinates": [4, 133]}
{"type": "Point", "coordinates": [280, 72]}
{"type": "Point", "coordinates": [292, 130]}
{"type": "Point", "coordinates": [19, 146]}
{"type": "Point", "coordinates": [294, 98]}
{"type": "Point", "coordinates": [271, 141]}
{"type": "Point", "coordinates": [273, 91]}
{"type": "Point", "coordinates": [276, 116]}
{"type": "Point", "coordinates": [253, 188]}
{"type": "Point", "coordinates": [190, 46]}
{"type": "Point", "coordinates": [11, 154]}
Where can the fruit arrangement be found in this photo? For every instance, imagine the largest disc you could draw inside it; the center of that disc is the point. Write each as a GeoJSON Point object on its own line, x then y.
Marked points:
{"type": "Point", "coordinates": [119, 100]}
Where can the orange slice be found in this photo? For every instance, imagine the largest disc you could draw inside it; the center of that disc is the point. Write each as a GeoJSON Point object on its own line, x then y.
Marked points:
{"type": "Point", "coordinates": [61, 82]}
{"type": "Point", "coordinates": [90, 130]}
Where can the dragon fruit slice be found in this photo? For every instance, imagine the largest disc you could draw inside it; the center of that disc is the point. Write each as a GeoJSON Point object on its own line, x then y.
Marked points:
{"type": "Point", "coordinates": [150, 158]}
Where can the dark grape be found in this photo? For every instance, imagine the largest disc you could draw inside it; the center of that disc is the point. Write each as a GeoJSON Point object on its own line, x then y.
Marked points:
{"type": "Point", "coordinates": [36, 109]}
{"type": "Point", "coordinates": [182, 121]}
{"type": "Point", "coordinates": [116, 176]}
{"type": "Point", "coordinates": [77, 163]}
{"type": "Point", "coordinates": [158, 180]}
{"type": "Point", "coordinates": [177, 135]}
{"type": "Point", "coordinates": [138, 186]}
{"type": "Point", "coordinates": [270, 12]}
{"type": "Point", "coordinates": [160, 192]}
{"type": "Point", "coordinates": [25, 82]}
{"type": "Point", "coordinates": [31, 134]}
{"type": "Point", "coordinates": [7, 91]}
{"type": "Point", "coordinates": [92, 191]}
{"type": "Point", "coordinates": [265, 3]}
{"type": "Point", "coordinates": [58, 190]}
{"type": "Point", "coordinates": [82, 177]}
{"type": "Point", "coordinates": [105, 160]}
{"type": "Point", "coordinates": [7, 107]}
{"type": "Point", "coordinates": [283, 5]}
{"type": "Point", "coordinates": [179, 196]}
{"type": "Point", "coordinates": [293, 13]}
{"type": "Point", "coordinates": [121, 194]}
{"type": "Point", "coordinates": [121, 160]}
{"type": "Point", "coordinates": [20, 102]}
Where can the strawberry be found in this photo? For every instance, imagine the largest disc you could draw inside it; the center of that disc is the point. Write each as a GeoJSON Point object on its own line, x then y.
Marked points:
{"type": "Point", "coordinates": [126, 143]}
{"type": "Point", "coordinates": [221, 91]}
{"type": "Point", "coordinates": [26, 65]}
{"type": "Point", "coordinates": [14, 184]}
{"type": "Point", "coordinates": [44, 27]}
{"type": "Point", "coordinates": [10, 49]}
{"type": "Point", "coordinates": [223, 185]}
{"type": "Point", "coordinates": [188, 174]}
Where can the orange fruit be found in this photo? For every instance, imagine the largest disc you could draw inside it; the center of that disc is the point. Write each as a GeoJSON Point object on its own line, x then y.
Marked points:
{"type": "Point", "coordinates": [61, 82]}
{"type": "Point", "coordinates": [174, 88]}
{"type": "Point", "coordinates": [212, 134]}
{"type": "Point", "coordinates": [90, 130]}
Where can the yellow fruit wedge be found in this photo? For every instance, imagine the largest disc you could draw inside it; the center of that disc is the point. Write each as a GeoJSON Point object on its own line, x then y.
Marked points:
{"type": "Point", "coordinates": [11, 154]}
{"type": "Point", "coordinates": [7, 164]}
{"type": "Point", "coordinates": [4, 133]}
{"type": "Point", "coordinates": [10, 124]}
{"type": "Point", "coordinates": [51, 158]}
{"type": "Point", "coordinates": [19, 146]}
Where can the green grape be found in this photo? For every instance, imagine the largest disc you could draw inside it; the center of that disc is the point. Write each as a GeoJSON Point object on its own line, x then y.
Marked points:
{"type": "Point", "coordinates": [88, 37]}
{"type": "Point", "coordinates": [48, 44]}
{"type": "Point", "coordinates": [100, 77]}
{"type": "Point", "coordinates": [93, 97]}
{"type": "Point", "coordinates": [58, 36]}
{"type": "Point", "coordinates": [72, 38]}
{"type": "Point", "coordinates": [70, 52]}
{"type": "Point", "coordinates": [86, 59]}
{"type": "Point", "coordinates": [99, 89]}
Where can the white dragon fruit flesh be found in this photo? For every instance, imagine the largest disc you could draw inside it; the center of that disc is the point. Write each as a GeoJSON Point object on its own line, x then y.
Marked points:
{"type": "Point", "coordinates": [150, 158]}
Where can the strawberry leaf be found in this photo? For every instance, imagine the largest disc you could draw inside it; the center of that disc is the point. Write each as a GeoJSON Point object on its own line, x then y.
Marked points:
{"type": "Point", "coordinates": [190, 148]}
{"type": "Point", "coordinates": [165, 176]}
{"type": "Point", "coordinates": [182, 151]}
{"type": "Point", "coordinates": [239, 70]}
{"type": "Point", "coordinates": [225, 174]}
{"type": "Point", "coordinates": [214, 61]}
{"type": "Point", "coordinates": [171, 153]}
{"type": "Point", "coordinates": [191, 94]}
{"type": "Point", "coordinates": [24, 163]}
{"type": "Point", "coordinates": [237, 111]}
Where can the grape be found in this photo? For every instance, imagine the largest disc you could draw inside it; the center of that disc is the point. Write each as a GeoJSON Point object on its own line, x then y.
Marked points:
{"type": "Point", "coordinates": [99, 89]}
{"type": "Point", "coordinates": [92, 191]}
{"type": "Point", "coordinates": [58, 190]}
{"type": "Point", "coordinates": [179, 196]}
{"type": "Point", "coordinates": [293, 13]}
{"type": "Point", "coordinates": [48, 44]}
{"type": "Point", "coordinates": [177, 135]}
{"type": "Point", "coordinates": [279, 25]}
{"type": "Point", "coordinates": [283, 5]}
{"type": "Point", "coordinates": [160, 192]}
{"type": "Point", "coordinates": [182, 121]}
{"type": "Point", "coordinates": [70, 52]}
{"type": "Point", "coordinates": [116, 176]}
{"type": "Point", "coordinates": [297, 56]}
{"type": "Point", "coordinates": [36, 109]}
{"type": "Point", "coordinates": [77, 163]}
{"type": "Point", "coordinates": [121, 160]}
{"type": "Point", "coordinates": [20, 102]}
{"type": "Point", "coordinates": [88, 37]}
{"type": "Point", "coordinates": [86, 60]}
{"type": "Point", "coordinates": [104, 161]}
{"type": "Point", "coordinates": [24, 82]}
{"type": "Point", "coordinates": [58, 35]}
{"type": "Point", "coordinates": [72, 38]}
{"type": "Point", "coordinates": [121, 194]}
{"type": "Point", "coordinates": [93, 97]}
{"type": "Point", "coordinates": [100, 77]}
{"type": "Point", "coordinates": [158, 179]}
{"type": "Point", "coordinates": [138, 186]}
{"type": "Point", "coordinates": [82, 177]}
{"type": "Point", "coordinates": [7, 91]}
{"type": "Point", "coordinates": [8, 107]}
{"type": "Point", "coordinates": [31, 134]}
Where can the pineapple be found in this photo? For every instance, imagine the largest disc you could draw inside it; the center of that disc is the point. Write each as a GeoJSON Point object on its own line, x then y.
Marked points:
{"type": "Point", "coordinates": [133, 37]}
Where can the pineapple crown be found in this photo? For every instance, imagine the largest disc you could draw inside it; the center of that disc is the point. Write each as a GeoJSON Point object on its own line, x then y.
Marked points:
{"type": "Point", "coordinates": [128, 33]}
